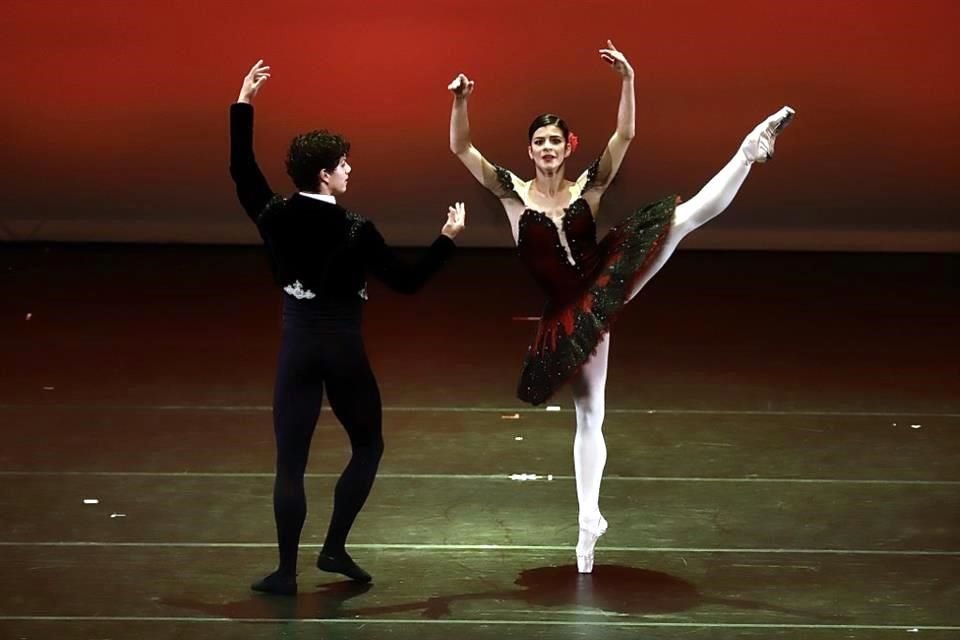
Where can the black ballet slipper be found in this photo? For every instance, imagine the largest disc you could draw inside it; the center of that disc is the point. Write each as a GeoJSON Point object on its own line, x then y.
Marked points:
{"type": "Point", "coordinates": [343, 564]}
{"type": "Point", "coordinates": [278, 584]}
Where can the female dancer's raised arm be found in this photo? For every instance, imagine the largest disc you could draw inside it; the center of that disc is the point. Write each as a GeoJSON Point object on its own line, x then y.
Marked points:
{"type": "Point", "coordinates": [598, 176]}
{"type": "Point", "coordinates": [462, 145]}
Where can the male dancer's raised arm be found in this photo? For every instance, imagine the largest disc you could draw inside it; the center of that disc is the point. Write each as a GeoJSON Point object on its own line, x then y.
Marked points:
{"type": "Point", "coordinates": [252, 187]}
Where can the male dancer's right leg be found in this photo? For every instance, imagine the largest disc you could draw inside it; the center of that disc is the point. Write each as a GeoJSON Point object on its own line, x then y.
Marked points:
{"type": "Point", "coordinates": [355, 400]}
{"type": "Point", "coordinates": [298, 393]}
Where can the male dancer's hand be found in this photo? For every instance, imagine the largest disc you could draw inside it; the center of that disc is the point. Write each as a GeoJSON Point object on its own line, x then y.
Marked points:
{"type": "Point", "coordinates": [254, 79]}
{"type": "Point", "coordinates": [461, 86]}
{"type": "Point", "coordinates": [456, 219]}
{"type": "Point", "coordinates": [617, 60]}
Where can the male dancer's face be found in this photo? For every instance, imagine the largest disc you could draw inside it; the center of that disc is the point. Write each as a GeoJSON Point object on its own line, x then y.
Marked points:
{"type": "Point", "coordinates": [335, 182]}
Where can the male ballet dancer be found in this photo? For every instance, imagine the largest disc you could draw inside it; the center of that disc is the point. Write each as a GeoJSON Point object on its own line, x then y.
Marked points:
{"type": "Point", "coordinates": [320, 254]}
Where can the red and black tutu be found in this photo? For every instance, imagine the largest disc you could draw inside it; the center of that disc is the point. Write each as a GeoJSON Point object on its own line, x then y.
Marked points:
{"type": "Point", "coordinates": [584, 298]}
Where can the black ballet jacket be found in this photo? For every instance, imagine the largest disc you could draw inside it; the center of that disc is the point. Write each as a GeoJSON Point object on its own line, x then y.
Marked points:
{"type": "Point", "coordinates": [319, 249]}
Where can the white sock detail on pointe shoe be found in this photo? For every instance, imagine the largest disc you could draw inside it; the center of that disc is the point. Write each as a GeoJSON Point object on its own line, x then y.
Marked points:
{"type": "Point", "coordinates": [587, 542]}
{"type": "Point", "coordinates": [759, 144]}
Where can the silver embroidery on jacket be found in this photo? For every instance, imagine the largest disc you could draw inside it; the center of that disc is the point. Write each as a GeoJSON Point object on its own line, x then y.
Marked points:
{"type": "Point", "coordinates": [297, 291]}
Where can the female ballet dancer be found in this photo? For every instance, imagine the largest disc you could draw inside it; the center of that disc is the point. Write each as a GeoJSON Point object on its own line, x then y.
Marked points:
{"type": "Point", "coordinates": [586, 282]}
{"type": "Point", "coordinates": [320, 254]}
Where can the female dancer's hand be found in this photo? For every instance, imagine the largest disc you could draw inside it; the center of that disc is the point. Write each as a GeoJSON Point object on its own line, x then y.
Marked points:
{"type": "Point", "coordinates": [461, 86]}
{"type": "Point", "coordinates": [456, 219]}
{"type": "Point", "coordinates": [617, 60]}
{"type": "Point", "coordinates": [254, 79]}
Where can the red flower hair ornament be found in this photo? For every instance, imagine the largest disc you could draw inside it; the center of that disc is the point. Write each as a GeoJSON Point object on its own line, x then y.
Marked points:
{"type": "Point", "coordinates": [573, 141]}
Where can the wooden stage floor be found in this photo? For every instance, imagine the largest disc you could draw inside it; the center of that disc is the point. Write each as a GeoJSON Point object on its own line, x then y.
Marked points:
{"type": "Point", "coordinates": [783, 434]}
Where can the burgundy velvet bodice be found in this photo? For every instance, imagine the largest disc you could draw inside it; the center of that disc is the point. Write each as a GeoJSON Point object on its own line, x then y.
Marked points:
{"type": "Point", "coordinates": [541, 251]}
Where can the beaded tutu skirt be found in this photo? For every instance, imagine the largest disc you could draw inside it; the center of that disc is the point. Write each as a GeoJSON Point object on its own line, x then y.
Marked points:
{"type": "Point", "coordinates": [568, 333]}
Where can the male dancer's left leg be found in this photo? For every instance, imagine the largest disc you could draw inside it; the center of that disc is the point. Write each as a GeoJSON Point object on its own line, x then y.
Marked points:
{"type": "Point", "coordinates": [298, 394]}
{"type": "Point", "coordinates": [355, 400]}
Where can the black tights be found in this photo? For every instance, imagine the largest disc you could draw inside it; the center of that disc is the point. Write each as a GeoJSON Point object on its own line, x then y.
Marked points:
{"type": "Point", "coordinates": [308, 362]}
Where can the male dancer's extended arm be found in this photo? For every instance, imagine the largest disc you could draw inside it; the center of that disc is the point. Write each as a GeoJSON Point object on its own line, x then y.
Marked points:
{"type": "Point", "coordinates": [402, 276]}
{"type": "Point", "coordinates": [252, 187]}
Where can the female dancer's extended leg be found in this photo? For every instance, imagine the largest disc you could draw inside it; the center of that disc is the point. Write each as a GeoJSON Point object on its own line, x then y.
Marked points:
{"type": "Point", "coordinates": [589, 448]}
{"type": "Point", "coordinates": [718, 193]}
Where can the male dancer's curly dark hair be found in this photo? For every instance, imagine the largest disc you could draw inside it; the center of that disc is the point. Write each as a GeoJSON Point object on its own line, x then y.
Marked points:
{"type": "Point", "coordinates": [312, 151]}
{"type": "Point", "coordinates": [545, 120]}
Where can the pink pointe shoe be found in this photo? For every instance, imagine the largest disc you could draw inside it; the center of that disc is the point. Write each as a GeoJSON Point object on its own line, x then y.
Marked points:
{"type": "Point", "coordinates": [758, 145]}
{"type": "Point", "coordinates": [586, 543]}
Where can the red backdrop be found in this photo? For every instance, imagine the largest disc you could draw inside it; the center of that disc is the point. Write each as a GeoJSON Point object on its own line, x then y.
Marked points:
{"type": "Point", "coordinates": [114, 114]}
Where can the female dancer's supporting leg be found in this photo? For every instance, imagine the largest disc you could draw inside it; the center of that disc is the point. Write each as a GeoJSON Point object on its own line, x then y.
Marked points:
{"type": "Point", "coordinates": [589, 449]}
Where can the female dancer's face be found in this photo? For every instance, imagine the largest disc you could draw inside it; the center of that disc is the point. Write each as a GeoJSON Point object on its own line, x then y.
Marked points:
{"type": "Point", "coordinates": [548, 148]}
{"type": "Point", "coordinates": [336, 181]}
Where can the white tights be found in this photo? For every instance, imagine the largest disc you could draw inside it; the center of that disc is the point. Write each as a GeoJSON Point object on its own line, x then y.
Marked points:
{"type": "Point", "coordinates": [589, 449]}
{"type": "Point", "coordinates": [588, 386]}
